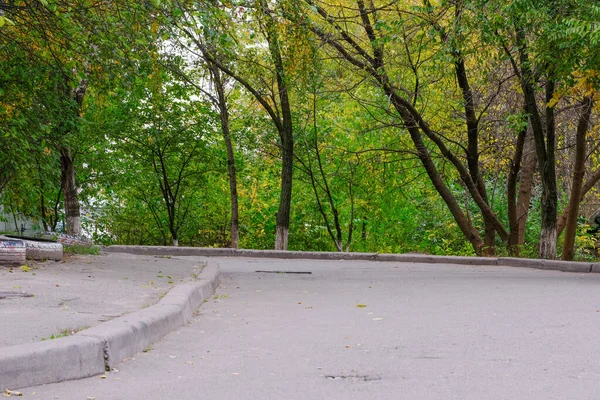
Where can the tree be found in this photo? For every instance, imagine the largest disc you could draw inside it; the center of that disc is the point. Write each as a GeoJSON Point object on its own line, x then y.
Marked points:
{"type": "Point", "coordinates": [275, 100]}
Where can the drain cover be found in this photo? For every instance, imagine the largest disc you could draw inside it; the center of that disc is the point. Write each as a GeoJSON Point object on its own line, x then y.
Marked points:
{"type": "Point", "coordinates": [285, 272]}
{"type": "Point", "coordinates": [4, 294]}
{"type": "Point", "coordinates": [363, 378]}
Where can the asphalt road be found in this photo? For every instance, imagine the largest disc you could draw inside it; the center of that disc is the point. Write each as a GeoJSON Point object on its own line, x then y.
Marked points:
{"type": "Point", "coordinates": [365, 330]}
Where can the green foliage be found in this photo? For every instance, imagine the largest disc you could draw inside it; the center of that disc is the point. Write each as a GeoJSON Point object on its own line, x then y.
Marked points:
{"type": "Point", "coordinates": [150, 159]}
{"type": "Point", "coordinates": [82, 249]}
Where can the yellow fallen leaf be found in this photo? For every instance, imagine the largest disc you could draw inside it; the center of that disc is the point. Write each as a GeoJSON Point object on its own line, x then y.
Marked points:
{"type": "Point", "coordinates": [24, 268]}
{"type": "Point", "coordinates": [361, 305]}
{"type": "Point", "coordinates": [8, 393]}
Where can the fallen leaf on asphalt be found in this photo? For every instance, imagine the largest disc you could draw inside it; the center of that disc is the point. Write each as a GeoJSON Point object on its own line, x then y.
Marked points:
{"type": "Point", "coordinates": [361, 305]}
{"type": "Point", "coordinates": [299, 302]}
{"type": "Point", "coordinates": [57, 285]}
{"type": "Point", "coordinates": [8, 393]}
{"type": "Point", "coordinates": [347, 346]}
{"type": "Point", "coordinates": [102, 376]}
{"type": "Point", "coordinates": [17, 287]}
{"type": "Point", "coordinates": [24, 268]}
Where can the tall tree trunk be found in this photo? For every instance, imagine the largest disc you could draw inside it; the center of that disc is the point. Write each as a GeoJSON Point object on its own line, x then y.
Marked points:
{"type": "Point", "coordinates": [224, 114]}
{"type": "Point", "coordinates": [285, 134]}
{"type": "Point", "coordinates": [526, 185]}
{"type": "Point", "coordinates": [68, 181]}
{"type": "Point", "coordinates": [473, 147]}
{"type": "Point", "coordinates": [511, 193]}
{"type": "Point", "coordinates": [69, 187]}
{"type": "Point", "coordinates": [578, 174]}
{"type": "Point", "coordinates": [544, 136]}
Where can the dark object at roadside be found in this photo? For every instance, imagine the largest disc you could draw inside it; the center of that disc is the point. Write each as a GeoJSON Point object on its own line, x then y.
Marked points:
{"type": "Point", "coordinates": [35, 239]}
{"type": "Point", "coordinates": [595, 229]}
{"type": "Point", "coordinates": [285, 272]}
{"type": "Point", "coordinates": [5, 294]}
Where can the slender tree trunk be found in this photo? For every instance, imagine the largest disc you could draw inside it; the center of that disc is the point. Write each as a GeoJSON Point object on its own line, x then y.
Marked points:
{"type": "Point", "coordinates": [68, 181]}
{"type": "Point", "coordinates": [285, 133]}
{"type": "Point", "coordinates": [473, 147]}
{"type": "Point", "coordinates": [285, 198]}
{"type": "Point", "coordinates": [463, 223]}
{"type": "Point", "coordinates": [578, 174]}
{"type": "Point", "coordinates": [549, 189]}
{"type": "Point", "coordinates": [224, 114]}
{"type": "Point", "coordinates": [69, 187]}
{"type": "Point", "coordinates": [511, 189]}
{"type": "Point", "coordinates": [526, 185]}
{"type": "Point", "coordinates": [544, 136]}
{"type": "Point", "coordinates": [587, 186]}
{"type": "Point", "coordinates": [42, 198]}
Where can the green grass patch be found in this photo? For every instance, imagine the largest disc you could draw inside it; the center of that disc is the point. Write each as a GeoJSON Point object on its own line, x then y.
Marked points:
{"type": "Point", "coordinates": [80, 249]}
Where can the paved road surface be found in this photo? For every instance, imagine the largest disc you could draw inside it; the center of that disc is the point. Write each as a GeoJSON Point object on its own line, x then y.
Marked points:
{"type": "Point", "coordinates": [427, 332]}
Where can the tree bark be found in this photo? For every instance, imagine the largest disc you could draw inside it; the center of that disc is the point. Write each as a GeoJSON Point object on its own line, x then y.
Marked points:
{"type": "Point", "coordinates": [544, 136]}
{"type": "Point", "coordinates": [285, 134]}
{"type": "Point", "coordinates": [69, 187]}
{"type": "Point", "coordinates": [578, 174]}
{"type": "Point", "coordinates": [224, 118]}
{"type": "Point", "coordinates": [473, 149]}
{"type": "Point", "coordinates": [462, 221]}
{"type": "Point", "coordinates": [68, 181]}
{"type": "Point", "coordinates": [511, 193]}
{"type": "Point", "coordinates": [525, 185]}
{"type": "Point", "coordinates": [587, 186]}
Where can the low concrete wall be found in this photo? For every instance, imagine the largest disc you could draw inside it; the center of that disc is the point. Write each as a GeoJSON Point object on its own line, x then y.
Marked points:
{"type": "Point", "coordinates": [566, 266]}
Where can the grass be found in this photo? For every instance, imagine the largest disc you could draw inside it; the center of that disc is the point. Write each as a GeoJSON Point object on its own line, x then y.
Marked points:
{"type": "Point", "coordinates": [65, 333]}
{"type": "Point", "coordinates": [80, 249]}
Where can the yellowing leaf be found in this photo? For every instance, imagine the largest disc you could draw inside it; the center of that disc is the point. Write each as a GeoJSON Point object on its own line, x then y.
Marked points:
{"type": "Point", "coordinates": [361, 305]}
{"type": "Point", "coordinates": [24, 268]}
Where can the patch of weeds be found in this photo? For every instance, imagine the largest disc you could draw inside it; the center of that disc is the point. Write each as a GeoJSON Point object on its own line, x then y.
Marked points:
{"type": "Point", "coordinates": [148, 349]}
{"type": "Point", "coordinates": [65, 333]}
{"type": "Point", "coordinates": [81, 249]}
{"type": "Point", "coordinates": [167, 257]}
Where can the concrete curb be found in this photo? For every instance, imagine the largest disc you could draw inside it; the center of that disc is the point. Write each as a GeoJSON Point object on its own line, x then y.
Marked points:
{"type": "Point", "coordinates": [566, 266]}
{"type": "Point", "coordinates": [102, 347]}
{"type": "Point", "coordinates": [39, 249]}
